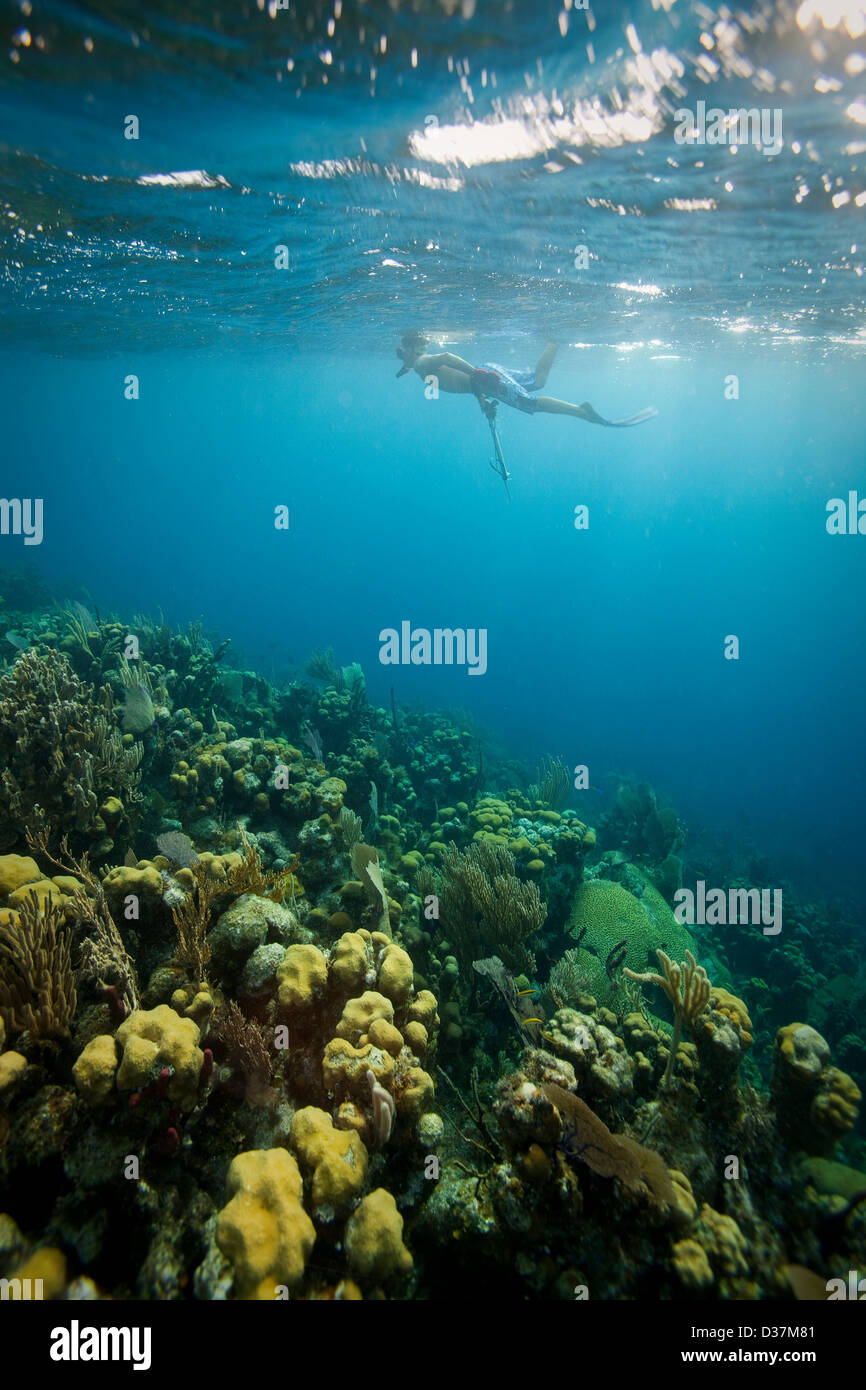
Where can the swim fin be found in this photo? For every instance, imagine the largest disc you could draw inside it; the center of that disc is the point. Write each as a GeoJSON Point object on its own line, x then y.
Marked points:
{"type": "Point", "coordinates": [595, 419]}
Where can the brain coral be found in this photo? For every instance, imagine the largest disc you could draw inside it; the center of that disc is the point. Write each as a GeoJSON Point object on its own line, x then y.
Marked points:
{"type": "Point", "coordinates": [611, 914]}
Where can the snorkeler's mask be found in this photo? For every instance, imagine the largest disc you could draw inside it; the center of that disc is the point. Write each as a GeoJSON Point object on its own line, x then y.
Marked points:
{"type": "Point", "coordinates": [412, 345]}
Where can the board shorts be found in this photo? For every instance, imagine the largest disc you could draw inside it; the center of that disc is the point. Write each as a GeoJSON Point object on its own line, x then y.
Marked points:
{"type": "Point", "coordinates": [511, 388]}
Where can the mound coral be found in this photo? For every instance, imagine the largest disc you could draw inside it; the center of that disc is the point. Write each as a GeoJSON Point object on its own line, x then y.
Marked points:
{"type": "Point", "coordinates": [152, 1039]}
{"type": "Point", "coordinates": [95, 1069]}
{"type": "Point", "coordinates": [723, 1033]}
{"type": "Point", "coordinates": [374, 1239]}
{"type": "Point", "coordinates": [263, 1230]}
{"type": "Point", "coordinates": [16, 870]}
{"type": "Point", "coordinates": [302, 976]}
{"type": "Point", "coordinates": [13, 1065]}
{"type": "Point", "coordinates": [816, 1104]}
{"type": "Point", "coordinates": [151, 1046]}
{"type": "Point", "coordinates": [598, 1056]}
{"type": "Point", "coordinates": [691, 1264]}
{"type": "Point", "coordinates": [336, 1160]}
{"type": "Point", "coordinates": [359, 1032]}
{"type": "Point", "coordinates": [726, 1241]}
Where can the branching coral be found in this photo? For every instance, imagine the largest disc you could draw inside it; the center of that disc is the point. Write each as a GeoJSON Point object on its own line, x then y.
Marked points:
{"type": "Point", "coordinates": [61, 752]}
{"type": "Point", "coordinates": [37, 986]}
{"type": "Point", "coordinates": [192, 919]}
{"type": "Point", "coordinates": [103, 957]}
{"type": "Point", "coordinates": [234, 875]}
{"type": "Point", "coordinates": [484, 908]}
{"type": "Point", "coordinates": [246, 1046]}
{"type": "Point", "coordinates": [552, 785]}
{"type": "Point", "coordinates": [569, 979]}
{"type": "Point", "coordinates": [249, 877]}
{"type": "Point", "coordinates": [322, 667]}
{"type": "Point", "coordinates": [688, 1002]}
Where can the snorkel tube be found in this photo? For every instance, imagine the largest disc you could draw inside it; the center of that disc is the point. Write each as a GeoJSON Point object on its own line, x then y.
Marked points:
{"type": "Point", "coordinates": [411, 347]}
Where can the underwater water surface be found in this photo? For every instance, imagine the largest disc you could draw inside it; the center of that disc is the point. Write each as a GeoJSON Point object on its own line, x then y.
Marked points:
{"type": "Point", "coordinates": [437, 846]}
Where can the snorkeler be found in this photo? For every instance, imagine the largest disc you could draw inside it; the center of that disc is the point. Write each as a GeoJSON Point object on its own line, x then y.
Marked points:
{"type": "Point", "coordinates": [490, 383]}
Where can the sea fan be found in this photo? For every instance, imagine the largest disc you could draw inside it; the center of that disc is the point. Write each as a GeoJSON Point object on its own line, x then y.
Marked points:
{"type": "Point", "coordinates": [177, 847]}
{"type": "Point", "coordinates": [138, 711]}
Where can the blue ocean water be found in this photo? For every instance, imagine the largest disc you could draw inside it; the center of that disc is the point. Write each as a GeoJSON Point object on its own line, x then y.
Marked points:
{"type": "Point", "coordinates": [439, 167]}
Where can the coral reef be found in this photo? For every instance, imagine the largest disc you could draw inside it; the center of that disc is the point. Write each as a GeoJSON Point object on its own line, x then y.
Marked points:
{"type": "Point", "coordinates": [305, 998]}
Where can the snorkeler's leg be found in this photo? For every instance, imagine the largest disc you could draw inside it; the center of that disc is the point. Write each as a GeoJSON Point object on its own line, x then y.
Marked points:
{"type": "Point", "coordinates": [545, 362]}
{"type": "Point", "coordinates": [549, 405]}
